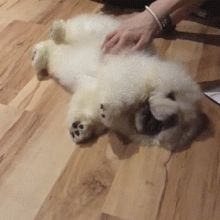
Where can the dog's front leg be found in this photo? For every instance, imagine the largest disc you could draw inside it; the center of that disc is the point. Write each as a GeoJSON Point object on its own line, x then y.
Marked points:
{"type": "Point", "coordinates": [111, 113]}
{"type": "Point", "coordinates": [163, 106]}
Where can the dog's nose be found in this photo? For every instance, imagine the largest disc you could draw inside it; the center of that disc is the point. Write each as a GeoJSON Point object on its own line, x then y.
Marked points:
{"type": "Point", "coordinates": [152, 126]}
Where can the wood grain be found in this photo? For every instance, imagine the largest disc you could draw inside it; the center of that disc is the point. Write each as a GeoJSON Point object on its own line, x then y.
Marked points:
{"type": "Point", "coordinates": [81, 189]}
{"type": "Point", "coordinates": [140, 182]}
{"type": "Point", "coordinates": [44, 176]}
{"type": "Point", "coordinates": [192, 190]}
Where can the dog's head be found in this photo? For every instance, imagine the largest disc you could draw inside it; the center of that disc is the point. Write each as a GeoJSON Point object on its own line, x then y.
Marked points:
{"type": "Point", "coordinates": [147, 123]}
{"type": "Point", "coordinates": [170, 118]}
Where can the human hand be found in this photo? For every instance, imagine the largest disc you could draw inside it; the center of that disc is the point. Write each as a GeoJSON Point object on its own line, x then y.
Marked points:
{"type": "Point", "coordinates": [133, 34]}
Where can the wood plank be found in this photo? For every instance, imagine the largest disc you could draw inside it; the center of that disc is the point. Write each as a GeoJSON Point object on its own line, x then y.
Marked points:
{"type": "Point", "coordinates": [16, 44]}
{"type": "Point", "coordinates": [12, 142]}
{"type": "Point", "coordinates": [209, 64]}
{"type": "Point", "coordinates": [192, 190]}
{"type": "Point", "coordinates": [81, 189]}
{"type": "Point", "coordinates": [182, 48]}
{"type": "Point", "coordinates": [45, 97]}
{"type": "Point", "coordinates": [8, 117]}
{"type": "Point", "coordinates": [200, 40]}
{"type": "Point", "coordinates": [110, 217]}
{"type": "Point", "coordinates": [139, 185]}
{"type": "Point", "coordinates": [3, 23]}
{"type": "Point", "coordinates": [34, 151]}
{"type": "Point", "coordinates": [44, 11]}
{"type": "Point", "coordinates": [66, 10]}
{"type": "Point", "coordinates": [31, 94]}
{"type": "Point", "coordinates": [25, 10]}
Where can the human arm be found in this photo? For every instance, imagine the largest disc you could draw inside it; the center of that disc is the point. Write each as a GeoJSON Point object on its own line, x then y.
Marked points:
{"type": "Point", "coordinates": [139, 29]}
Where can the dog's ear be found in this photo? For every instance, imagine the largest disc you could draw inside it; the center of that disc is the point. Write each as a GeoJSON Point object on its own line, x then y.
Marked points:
{"type": "Point", "coordinates": [42, 75]}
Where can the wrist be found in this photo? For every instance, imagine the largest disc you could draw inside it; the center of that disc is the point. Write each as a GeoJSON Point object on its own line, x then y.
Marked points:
{"type": "Point", "coordinates": [153, 20]}
{"type": "Point", "coordinates": [149, 21]}
{"type": "Point", "coordinates": [160, 11]}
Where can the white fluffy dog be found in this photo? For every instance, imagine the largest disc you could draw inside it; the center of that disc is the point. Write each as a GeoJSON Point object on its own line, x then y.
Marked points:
{"type": "Point", "coordinates": [138, 95]}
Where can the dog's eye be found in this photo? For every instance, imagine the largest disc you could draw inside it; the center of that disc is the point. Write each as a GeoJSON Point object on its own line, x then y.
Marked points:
{"type": "Point", "coordinates": [171, 96]}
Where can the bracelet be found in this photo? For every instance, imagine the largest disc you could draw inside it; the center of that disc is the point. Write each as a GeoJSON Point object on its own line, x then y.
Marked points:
{"type": "Point", "coordinates": [155, 17]}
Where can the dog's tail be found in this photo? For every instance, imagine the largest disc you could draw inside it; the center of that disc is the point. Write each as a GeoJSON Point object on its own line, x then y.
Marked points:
{"type": "Point", "coordinates": [58, 32]}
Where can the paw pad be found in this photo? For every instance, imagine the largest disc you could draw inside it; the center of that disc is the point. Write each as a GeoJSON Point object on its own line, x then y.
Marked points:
{"type": "Point", "coordinates": [75, 124]}
{"type": "Point", "coordinates": [76, 128]}
{"type": "Point", "coordinates": [105, 114]}
{"type": "Point", "coordinates": [102, 108]}
{"type": "Point", "coordinates": [79, 131]}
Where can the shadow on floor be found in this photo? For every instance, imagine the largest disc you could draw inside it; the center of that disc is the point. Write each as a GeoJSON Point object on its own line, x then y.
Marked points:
{"type": "Point", "coordinates": [205, 131]}
{"type": "Point", "coordinates": [124, 149]}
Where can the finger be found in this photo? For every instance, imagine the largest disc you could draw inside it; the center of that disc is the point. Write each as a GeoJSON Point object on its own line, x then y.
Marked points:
{"type": "Point", "coordinates": [141, 44]}
{"type": "Point", "coordinates": [108, 38]}
{"type": "Point", "coordinates": [111, 43]}
{"type": "Point", "coordinates": [121, 44]}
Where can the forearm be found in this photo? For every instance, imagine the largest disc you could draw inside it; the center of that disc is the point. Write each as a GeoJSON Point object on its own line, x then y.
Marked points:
{"type": "Point", "coordinates": [182, 13]}
{"type": "Point", "coordinates": [165, 7]}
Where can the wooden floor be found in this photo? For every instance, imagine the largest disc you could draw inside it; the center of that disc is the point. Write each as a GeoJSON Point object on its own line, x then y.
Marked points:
{"type": "Point", "coordinates": [44, 176]}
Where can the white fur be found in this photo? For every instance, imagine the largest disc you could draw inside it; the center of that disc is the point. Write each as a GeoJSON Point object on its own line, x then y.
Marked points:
{"type": "Point", "coordinates": [121, 83]}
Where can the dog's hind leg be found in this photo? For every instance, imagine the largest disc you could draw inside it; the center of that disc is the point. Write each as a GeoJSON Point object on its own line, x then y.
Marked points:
{"type": "Point", "coordinates": [83, 119]}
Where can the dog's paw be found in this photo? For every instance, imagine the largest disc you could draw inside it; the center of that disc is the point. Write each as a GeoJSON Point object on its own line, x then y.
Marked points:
{"type": "Point", "coordinates": [39, 56]}
{"type": "Point", "coordinates": [80, 131]}
{"type": "Point", "coordinates": [57, 31]}
{"type": "Point", "coordinates": [106, 114]}
{"type": "Point", "coordinates": [39, 60]}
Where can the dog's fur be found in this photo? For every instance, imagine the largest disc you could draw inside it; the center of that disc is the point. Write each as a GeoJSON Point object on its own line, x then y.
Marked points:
{"type": "Point", "coordinates": [138, 95]}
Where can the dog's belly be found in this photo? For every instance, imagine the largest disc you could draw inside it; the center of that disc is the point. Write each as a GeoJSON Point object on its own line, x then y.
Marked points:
{"type": "Point", "coordinates": [74, 68]}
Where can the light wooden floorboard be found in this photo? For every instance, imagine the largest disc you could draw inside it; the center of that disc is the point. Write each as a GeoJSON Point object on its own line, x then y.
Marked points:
{"type": "Point", "coordinates": [44, 176]}
{"type": "Point", "coordinates": [81, 189]}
